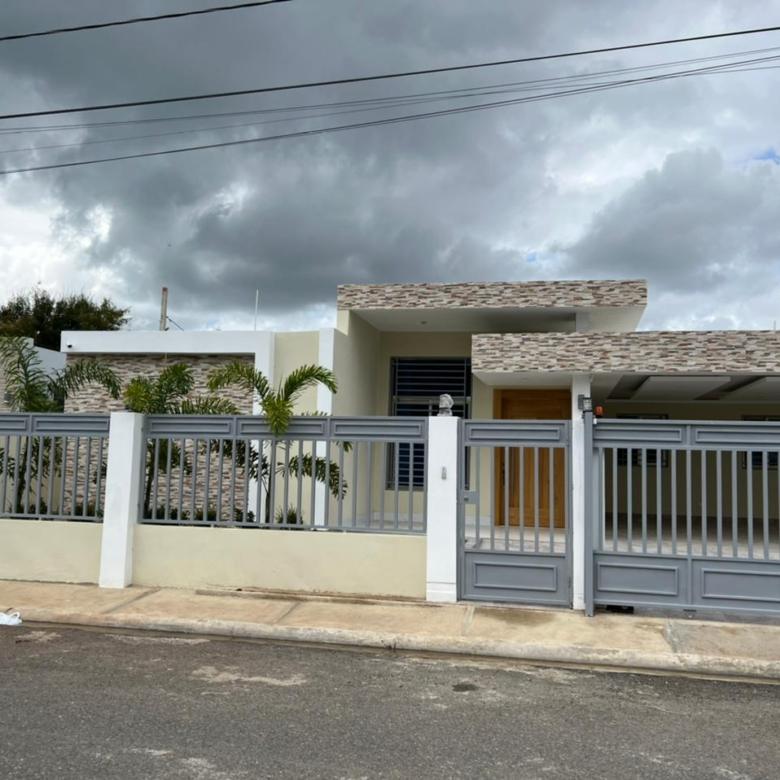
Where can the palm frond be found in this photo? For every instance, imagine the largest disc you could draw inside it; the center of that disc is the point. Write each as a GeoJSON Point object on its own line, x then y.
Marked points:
{"type": "Point", "coordinates": [26, 383]}
{"type": "Point", "coordinates": [208, 405]}
{"type": "Point", "coordinates": [78, 375]}
{"type": "Point", "coordinates": [242, 375]}
{"type": "Point", "coordinates": [139, 395]}
{"type": "Point", "coordinates": [173, 384]}
{"type": "Point", "coordinates": [304, 377]}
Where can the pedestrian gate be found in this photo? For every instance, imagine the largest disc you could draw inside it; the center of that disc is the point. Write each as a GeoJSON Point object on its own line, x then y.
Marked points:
{"type": "Point", "coordinates": [514, 527]}
{"type": "Point", "coordinates": [684, 514]}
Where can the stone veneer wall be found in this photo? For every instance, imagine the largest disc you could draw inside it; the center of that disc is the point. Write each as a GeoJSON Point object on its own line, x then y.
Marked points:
{"type": "Point", "coordinates": [494, 295]}
{"type": "Point", "coordinates": [95, 399]}
{"type": "Point", "coordinates": [670, 352]}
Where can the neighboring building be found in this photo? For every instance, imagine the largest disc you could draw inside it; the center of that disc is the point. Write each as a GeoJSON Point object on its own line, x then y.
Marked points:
{"type": "Point", "coordinates": [51, 361]}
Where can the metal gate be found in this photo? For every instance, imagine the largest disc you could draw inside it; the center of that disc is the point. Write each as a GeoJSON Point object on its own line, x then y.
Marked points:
{"type": "Point", "coordinates": [684, 514]}
{"type": "Point", "coordinates": [514, 527]}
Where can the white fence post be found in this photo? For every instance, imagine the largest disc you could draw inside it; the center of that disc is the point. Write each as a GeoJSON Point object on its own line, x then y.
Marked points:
{"type": "Point", "coordinates": [123, 499]}
{"type": "Point", "coordinates": [443, 455]}
{"type": "Point", "coordinates": [580, 386]}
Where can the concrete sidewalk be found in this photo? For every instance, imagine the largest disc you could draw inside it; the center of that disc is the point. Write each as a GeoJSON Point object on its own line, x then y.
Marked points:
{"type": "Point", "coordinates": [534, 635]}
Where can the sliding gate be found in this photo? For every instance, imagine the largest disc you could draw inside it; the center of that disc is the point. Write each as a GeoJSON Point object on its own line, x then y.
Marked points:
{"type": "Point", "coordinates": [686, 514]}
{"type": "Point", "coordinates": [514, 528]}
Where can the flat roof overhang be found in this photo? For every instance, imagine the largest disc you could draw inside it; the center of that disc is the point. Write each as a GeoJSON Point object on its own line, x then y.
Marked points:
{"type": "Point", "coordinates": [649, 366]}
{"type": "Point", "coordinates": [482, 307]}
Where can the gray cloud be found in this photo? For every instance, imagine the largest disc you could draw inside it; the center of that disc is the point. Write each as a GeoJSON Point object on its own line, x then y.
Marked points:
{"type": "Point", "coordinates": [654, 181]}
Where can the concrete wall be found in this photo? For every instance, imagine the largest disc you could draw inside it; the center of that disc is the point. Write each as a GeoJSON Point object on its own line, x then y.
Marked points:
{"type": "Point", "coordinates": [365, 564]}
{"type": "Point", "coordinates": [49, 550]}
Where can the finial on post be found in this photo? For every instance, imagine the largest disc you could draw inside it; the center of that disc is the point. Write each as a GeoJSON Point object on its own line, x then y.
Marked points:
{"type": "Point", "coordinates": [445, 405]}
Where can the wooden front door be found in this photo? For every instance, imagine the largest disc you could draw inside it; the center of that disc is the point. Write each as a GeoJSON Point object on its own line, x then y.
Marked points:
{"type": "Point", "coordinates": [533, 479]}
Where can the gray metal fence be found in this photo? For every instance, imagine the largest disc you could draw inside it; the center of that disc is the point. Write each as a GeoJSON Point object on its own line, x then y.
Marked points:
{"type": "Point", "coordinates": [52, 466]}
{"type": "Point", "coordinates": [686, 514]}
{"type": "Point", "coordinates": [350, 474]}
{"type": "Point", "coordinates": [514, 530]}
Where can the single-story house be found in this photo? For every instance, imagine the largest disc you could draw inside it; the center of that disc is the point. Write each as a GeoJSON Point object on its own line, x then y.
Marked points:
{"type": "Point", "coordinates": [675, 488]}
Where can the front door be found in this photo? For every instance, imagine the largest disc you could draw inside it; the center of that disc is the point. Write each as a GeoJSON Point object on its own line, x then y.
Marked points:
{"type": "Point", "coordinates": [537, 478]}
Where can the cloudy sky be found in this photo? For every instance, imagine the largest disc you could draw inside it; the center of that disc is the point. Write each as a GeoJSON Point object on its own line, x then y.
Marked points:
{"type": "Point", "coordinates": [677, 182]}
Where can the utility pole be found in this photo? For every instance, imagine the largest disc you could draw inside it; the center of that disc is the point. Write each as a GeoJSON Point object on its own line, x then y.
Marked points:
{"type": "Point", "coordinates": [164, 309]}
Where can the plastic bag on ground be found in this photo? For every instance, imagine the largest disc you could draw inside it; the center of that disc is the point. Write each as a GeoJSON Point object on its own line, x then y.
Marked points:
{"type": "Point", "coordinates": [10, 618]}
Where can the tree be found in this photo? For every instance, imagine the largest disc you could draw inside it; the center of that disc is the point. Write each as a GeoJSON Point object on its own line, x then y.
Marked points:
{"type": "Point", "coordinates": [169, 393]}
{"type": "Point", "coordinates": [277, 406]}
{"type": "Point", "coordinates": [28, 388]}
{"type": "Point", "coordinates": [41, 317]}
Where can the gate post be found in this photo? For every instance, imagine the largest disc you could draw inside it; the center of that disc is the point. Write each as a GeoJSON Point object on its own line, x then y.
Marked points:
{"type": "Point", "coordinates": [443, 455]}
{"type": "Point", "coordinates": [124, 472]}
{"type": "Point", "coordinates": [580, 388]}
{"type": "Point", "coordinates": [590, 493]}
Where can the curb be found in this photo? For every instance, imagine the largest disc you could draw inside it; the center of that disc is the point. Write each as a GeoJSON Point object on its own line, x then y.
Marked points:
{"type": "Point", "coordinates": [569, 655]}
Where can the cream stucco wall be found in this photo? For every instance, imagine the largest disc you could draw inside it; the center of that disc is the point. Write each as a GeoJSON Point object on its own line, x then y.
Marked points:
{"type": "Point", "coordinates": [362, 364]}
{"type": "Point", "coordinates": [49, 550]}
{"type": "Point", "coordinates": [365, 564]}
{"type": "Point", "coordinates": [293, 350]}
{"type": "Point", "coordinates": [356, 360]}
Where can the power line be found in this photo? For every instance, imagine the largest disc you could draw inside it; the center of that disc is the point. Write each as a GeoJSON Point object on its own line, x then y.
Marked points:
{"type": "Point", "coordinates": [732, 67]}
{"type": "Point", "coordinates": [414, 99]}
{"type": "Point", "coordinates": [383, 76]}
{"type": "Point", "coordinates": [402, 99]}
{"type": "Point", "coordinates": [139, 20]}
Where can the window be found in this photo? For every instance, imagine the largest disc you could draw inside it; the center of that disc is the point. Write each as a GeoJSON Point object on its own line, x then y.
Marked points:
{"type": "Point", "coordinates": [636, 455]}
{"type": "Point", "coordinates": [757, 458]}
{"type": "Point", "coordinates": [415, 387]}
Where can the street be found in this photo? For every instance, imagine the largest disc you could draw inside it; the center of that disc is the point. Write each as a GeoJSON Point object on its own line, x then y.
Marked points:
{"type": "Point", "coordinates": [81, 704]}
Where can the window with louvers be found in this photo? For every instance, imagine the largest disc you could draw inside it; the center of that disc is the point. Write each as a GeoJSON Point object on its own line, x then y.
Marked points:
{"type": "Point", "coordinates": [415, 387]}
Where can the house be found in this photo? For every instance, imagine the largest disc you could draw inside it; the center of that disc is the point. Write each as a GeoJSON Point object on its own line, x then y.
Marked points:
{"type": "Point", "coordinates": [502, 350]}
{"type": "Point", "coordinates": [672, 499]}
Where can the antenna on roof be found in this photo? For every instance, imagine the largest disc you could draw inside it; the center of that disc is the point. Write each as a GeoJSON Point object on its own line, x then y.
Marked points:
{"type": "Point", "coordinates": [164, 309]}
{"type": "Point", "coordinates": [257, 305]}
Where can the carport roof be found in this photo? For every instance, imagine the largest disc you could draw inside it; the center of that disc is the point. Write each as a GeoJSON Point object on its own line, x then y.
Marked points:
{"type": "Point", "coordinates": [661, 352]}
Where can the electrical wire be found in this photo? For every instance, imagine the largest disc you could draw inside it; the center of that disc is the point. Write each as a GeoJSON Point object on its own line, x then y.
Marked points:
{"type": "Point", "coordinates": [726, 68]}
{"type": "Point", "coordinates": [402, 99]}
{"type": "Point", "coordinates": [721, 69]}
{"type": "Point", "coordinates": [140, 20]}
{"type": "Point", "coordinates": [382, 76]}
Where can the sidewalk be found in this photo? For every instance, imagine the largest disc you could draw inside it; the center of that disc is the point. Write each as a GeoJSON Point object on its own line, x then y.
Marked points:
{"type": "Point", "coordinates": [540, 636]}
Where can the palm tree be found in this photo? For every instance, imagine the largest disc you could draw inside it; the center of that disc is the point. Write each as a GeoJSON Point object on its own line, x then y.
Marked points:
{"type": "Point", "coordinates": [29, 388]}
{"type": "Point", "coordinates": [278, 407]}
{"type": "Point", "coordinates": [169, 393]}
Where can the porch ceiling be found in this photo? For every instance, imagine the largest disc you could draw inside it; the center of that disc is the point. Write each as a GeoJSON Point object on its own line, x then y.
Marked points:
{"type": "Point", "coordinates": [724, 388]}
{"type": "Point", "coordinates": [503, 320]}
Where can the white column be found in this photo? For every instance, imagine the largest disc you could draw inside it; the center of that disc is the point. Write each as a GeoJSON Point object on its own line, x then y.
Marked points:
{"type": "Point", "coordinates": [326, 358]}
{"type": "Point", "coordinates": [442, 509]}
{"type": "Point", "coordinates": [123, 499]}
{"type": "Point", "coordinates": [580, 385]}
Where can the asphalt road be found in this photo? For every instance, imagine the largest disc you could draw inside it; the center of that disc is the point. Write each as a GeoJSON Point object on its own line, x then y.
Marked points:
{"type": "Point", "coordinates": [84, 704]}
